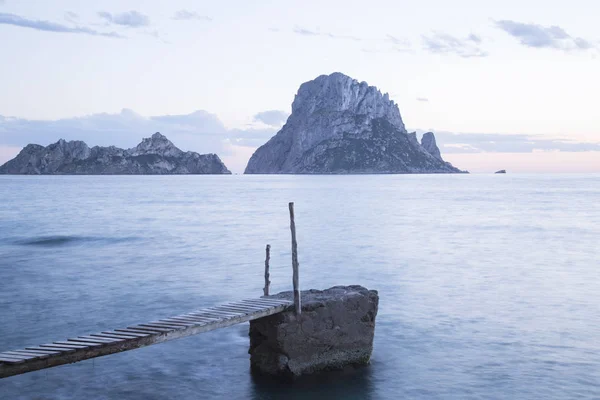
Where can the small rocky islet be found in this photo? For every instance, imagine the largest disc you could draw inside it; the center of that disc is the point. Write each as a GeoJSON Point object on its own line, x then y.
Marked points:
{"type": "Point", "coordinates": [338, 126]}
{"type": "Point", "coordinates": [155, 155]}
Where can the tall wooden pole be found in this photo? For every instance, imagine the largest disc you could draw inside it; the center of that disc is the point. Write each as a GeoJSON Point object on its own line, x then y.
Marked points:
{"type": "Point", "coordinates": [267, 281]}
{"type": "Point", "coordinates": [295, 278]}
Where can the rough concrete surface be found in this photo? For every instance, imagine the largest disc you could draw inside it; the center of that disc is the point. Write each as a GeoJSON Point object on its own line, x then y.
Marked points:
{"type": "Point", "coordinates": [335, 330]}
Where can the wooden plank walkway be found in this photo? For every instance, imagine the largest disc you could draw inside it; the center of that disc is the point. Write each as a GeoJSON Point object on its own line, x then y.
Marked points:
{"type": "Point", "coordinates": [108, 342]}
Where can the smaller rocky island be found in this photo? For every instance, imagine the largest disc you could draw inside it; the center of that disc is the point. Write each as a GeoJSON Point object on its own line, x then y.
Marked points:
{"type": "Point", "coordinates": [155, 155]}
{"type": "Point", "coordinates": [502, 171]}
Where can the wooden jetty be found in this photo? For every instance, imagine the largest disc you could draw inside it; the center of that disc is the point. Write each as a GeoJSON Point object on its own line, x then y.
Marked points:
{"type": "Point", "coordinates": [108, 342]}
{"type": "Point", "coordinates": [81, 348]}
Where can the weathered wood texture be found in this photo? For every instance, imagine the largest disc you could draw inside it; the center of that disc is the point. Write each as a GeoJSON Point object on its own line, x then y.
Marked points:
{"type": "Point", "coordinates": [267, 281]}
{"type": "Point", "coordinates": [295, 266]}
{"type": "Point", "coordinates": [108, 342]}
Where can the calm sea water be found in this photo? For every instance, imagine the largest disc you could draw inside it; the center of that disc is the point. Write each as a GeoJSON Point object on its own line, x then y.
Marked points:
{"type": "Point", "coordinates": [489, 284]}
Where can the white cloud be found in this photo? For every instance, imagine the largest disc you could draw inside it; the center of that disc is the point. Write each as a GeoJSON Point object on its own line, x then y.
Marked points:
{"type": "Point", "coordinates": [274, 118]}
{"type": "Point", "coordinates": [538, 36]}
{"type": "Point", "coordinates": [132, 19]}
{"type": "Point", "coordinates": [185, 15]}
{"type": "Point", "coordinates": [49, 26]}
{"type": "Point", "coordinates": [443, 43]}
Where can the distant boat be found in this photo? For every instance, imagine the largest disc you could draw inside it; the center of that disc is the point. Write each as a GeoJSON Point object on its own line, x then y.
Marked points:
{"type": "Point", "coordinates": [502, 171]}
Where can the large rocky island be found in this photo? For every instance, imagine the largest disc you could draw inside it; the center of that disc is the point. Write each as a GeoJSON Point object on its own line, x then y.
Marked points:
{"type": "Point", "coordinates": [341, 126]}
{"type": "Point", "coordinates": [153, 156]}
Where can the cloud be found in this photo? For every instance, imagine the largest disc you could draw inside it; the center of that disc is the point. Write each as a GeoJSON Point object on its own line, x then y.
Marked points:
{"type": "Point", "coordinates": [387, 50]}
{"type": "Point", "coordinates": [538, 36]}
{"type": "Point", "coordinates": [272, 117]}
{"type": "Point", "coordinates": [442, 43]}
{"type": "Point", "coordinates": [185, 15]}
{"type": "Point", "coordinates": [307, 32]}
{"type": "Point", "coordinates": [398, 41]}
{"type": "Point", "coordinates": [507, 143]}
{"type": "Point", "coordinates": [398, 45]}
{"type": "Point", "coordinates": [424, 99]}
{"type": "Point", "coordinates": [474, 38]}
{"type": "Point", "coordinates": [132, 19]}
{"type": "Point", "coordinates": [253, 137]}
{"type": "Point", "coordinates": [47, 26]}
{"type": "Point", "coordinates": [71, 17]}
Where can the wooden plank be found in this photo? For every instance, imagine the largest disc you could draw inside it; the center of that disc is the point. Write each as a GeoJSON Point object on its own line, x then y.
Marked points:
{"type": "Point", "coordinates": [106, 339]}
{"type": "Point", "coordinates": [173, 323]}
{"type": "Point", "coordinates": [128, 331]}
{"type": "Point", "coordinates": [232, 310]}
{"type": "Point", "coordinates": [117, 335]}
{"type": "Point", "coordinates": [262, 305]}
{"type": "Point", "coordinates": [295, 264]}
{"type": "Point", "coordinates": [275, 300]}
{"type": "Point", "coordinates": [211, 310]}
{"type": "Point", "coordinates": [237, 310]}
{"type": "Point", "coordinates": [213, 317]}
{"type": "Point", "coordinates": [11, 360]}
{"type": "Point", "coordinates": [189, 322]}
{"type": "Point", "coordinates": [32, 351]}
{"type": "Point", "coordinates": [189, 319]}
{"type": "Point", "coordinates": [121, 334]}
{"type": "Point", "coordinates": [78, 343]}
{"type": "Point", "coordinates": [160, 325]}
{"type": "Point", "coordinates": [225, 312]}
{"type": "Point", "coordinates": [242, 308]}
{"type": "Point", "coordinates": [267, 302]}
{"type": "Point", "coordinates": [210, 319]}
{"type": "Point", "coordinates": [36, 353]}
{"type": "Point", "coordinates": [267, 281]}
{"type": "Point", "coordinates": [218, 316]}
{"type": "Point", "coordinates": [63, 345]}
{"type": "Point", "coordinates": [52, 348]}
{"type": "Point", "coordinates": [17, 356]}
{"type": "Point", "coordinates": [18, 353]}
{"type": "Point", "coordinates": [95, 340]}
{"type": "Point", "coordinates": [40, 351]}
{"type": "Point", "coordinates": [240, 304]}
{"type": "Point", "coordinates": [151, 330]}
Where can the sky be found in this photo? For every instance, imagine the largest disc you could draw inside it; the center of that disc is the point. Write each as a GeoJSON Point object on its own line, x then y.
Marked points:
{"type": "Point", "coordinates": [504, 85]}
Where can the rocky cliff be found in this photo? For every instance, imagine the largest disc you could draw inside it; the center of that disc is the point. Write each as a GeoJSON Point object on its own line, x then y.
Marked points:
{"type": "Point", "coordinates": [155, 155]}
{"type": "Point", "coordinates": [338, 126]}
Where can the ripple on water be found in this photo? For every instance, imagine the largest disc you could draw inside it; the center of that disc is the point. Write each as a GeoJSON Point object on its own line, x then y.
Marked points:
{"type": "Point", "coordinates": [65, 240]}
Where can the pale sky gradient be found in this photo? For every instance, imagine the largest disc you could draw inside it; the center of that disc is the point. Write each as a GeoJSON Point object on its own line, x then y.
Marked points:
{"type": "Point", "coordinates": [527, 68]}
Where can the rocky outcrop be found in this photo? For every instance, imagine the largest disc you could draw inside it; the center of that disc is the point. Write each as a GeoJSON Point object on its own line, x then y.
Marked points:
{"type": "Point", "coordinates": [429, 144]}
{"type": "Point", "coordinates": [155, 155]}
{"type": "Point", "coordinates": [502, 171]}
{"type": "Point", "coordinates": [338, 126]}
{"type": "Point", "coordinates": [335, 330]}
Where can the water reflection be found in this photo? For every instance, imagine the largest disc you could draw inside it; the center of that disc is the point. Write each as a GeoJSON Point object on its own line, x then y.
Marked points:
{"type": "Point", "coordinates": [350, 383]}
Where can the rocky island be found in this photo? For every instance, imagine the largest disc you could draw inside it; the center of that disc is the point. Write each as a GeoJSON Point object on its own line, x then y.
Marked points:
{"type": "Point", "coordinates": [153, 156]}
{"type": "Point", "coordinates": [341, 126]}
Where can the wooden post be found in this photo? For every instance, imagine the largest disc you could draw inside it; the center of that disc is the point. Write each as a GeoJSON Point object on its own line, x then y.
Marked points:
{"type": "Point", "coordinates": [297, 303]}
{"type": "Point", "coordinates": [267, 281]}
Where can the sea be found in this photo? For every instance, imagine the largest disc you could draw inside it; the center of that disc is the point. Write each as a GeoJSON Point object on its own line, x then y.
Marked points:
{"type": "Point", "coordinates": [489, 284]}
